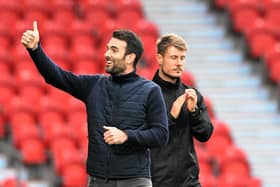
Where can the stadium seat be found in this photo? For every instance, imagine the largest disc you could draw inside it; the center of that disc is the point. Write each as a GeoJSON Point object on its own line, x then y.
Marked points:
{"type": "Point", "coordinates": [243, 13]}
{"type": "Point", "coordinates": [260, 38]}
{"type": "Point", "coordinates": [97, 9]}
{"type": "Point", "coordinates": [188, 78]}
{"type": "Point", "coordinates": [22, 131]}
{"type": "Point", "coordinates": [50, 116]}
{"type": "Point", "coordinates": [21, 117]}
{"type": "Point", "coordinates": [205, 160]}
{"type": "Point", "coordinates": [65, 154]}
{"type": "Point", "coordinates": [54, 130]}
{"type": "Point", "coordinates": [52, 28]}
{"type": "Point", "coordinates": [10, 11]}
{"type": "Point", "coordinates": [2, 126]}
{"type": "Point", "coordinates": [272, 11]}
{"type": "Point", "coordinates": [146, 72]}
{"type": "Point", "coordinates": [271, 63]}
{"type": "Point", "coordinates": [5, 43]}
{"type": "Point", "coordinates": [7, 94]}
{"type": "Point", "coordinates": [208, 180]}
{"type": "Point", "coordinates": [74, 176]}
{"type": "Point", "coordinates": [76, 119]}
{"type": "Point", "coordinates": [33, 151]}
{"type": "Point", "coordinates": [219, 140]}
{"type": "Point", "coordinates": [68, 157]}
{"type": "Point", "coordinates": [230, 180]}
{"type": "Point", "coordinates": [274, 72]}
{"type": "Point", "coordinates": [145, 26]}
{"type": "Point", "coordinates": [36, 10]}
{"type": "Point", "coordinates": [5, 68]}
{"type": "Point", "coordinates": [19, 54]}
{"type": "Point", "coordinates": [13, 182]}
{"type": "Point", "coordinates": [26, 72]}
{"type": "Point", "coordinates": [65, 13]}
{"type": "Point", "coordinates": [86, 67]}
{"type": "Point", "coordinates": [234, 162]}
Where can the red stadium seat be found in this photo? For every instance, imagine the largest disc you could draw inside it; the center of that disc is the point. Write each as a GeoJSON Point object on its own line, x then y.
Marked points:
{"type": "Point", "coordinates": [274, 72]}
{"type": "Point", "coordinates": [2, 126]}
{"type": "Point", "coordinates": [145, 26]}
{"type": "Point", "coordinates": [74, 176]}
{"type": "Point", "coordinates": [23, 131]}
{"type": "Point", "coordinates": [87, 67]}
{"type": "Point", "coordinates": [243, 14]}
{"type": "Point", "coordinates": [208, 180]}
{"type": "Point", "coordinates": [272, 11]}
{"type": "Point", "coordinates": [5, 68]}
{"type": "Point", "coordinates": [21, 117]}
{"type": "Point", "coordinates": [218, 141]}
{"type": "Point", "coordinates": [230, 180]}
{"type": "Point", "coordinates": [260, 38]}
{"type": "Point", "coordinates": [97, 9]}
{"type": "Point", "coordinates": [20, 54]}
{"type": "Point", "coordinates": [36, 10]}
{"type": "Point", "coordinates": [55, 130]}
{"type": "Point", "coordinates": [83, 52]}
{"type": "Point", "coordinates": [49, 116]}
{"type": "Point", "coordinates": [26, 72]}
{"type": "Point", "coordinates": [33, 151]}
{"type": "Point", "coordinates": [272, 61]}
{"type": "Point", "coordinates": [146, 72]}
{"type": "Point", "coordinates": [9, 11]}
{"type": "Point", "coordinates": [13, 182]}
{"type": "Point", "coordinates": [234, 161]}
{"type": "Point", "coordinates": [7, 94]}
{"type": "Point", "coordinates": [65, 13]}
{"type": "Point", "coordinates": [188, 79]}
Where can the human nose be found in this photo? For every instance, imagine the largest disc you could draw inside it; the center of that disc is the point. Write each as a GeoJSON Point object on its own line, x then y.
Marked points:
{"type": "Point", "coordinates": [107, 53]}
{"type": "Point", "coordinates": [180, 62]}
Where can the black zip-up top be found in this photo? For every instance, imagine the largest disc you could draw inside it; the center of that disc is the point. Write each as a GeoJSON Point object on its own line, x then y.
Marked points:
{"type": "Point", "coordinates": [176, 164]}
{"type": "Point", "coordinates": [129, 102]}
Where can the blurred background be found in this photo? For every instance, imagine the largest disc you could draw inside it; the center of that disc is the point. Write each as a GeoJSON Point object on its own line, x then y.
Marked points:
{"type": "Point", "coordinates": [233, 59]}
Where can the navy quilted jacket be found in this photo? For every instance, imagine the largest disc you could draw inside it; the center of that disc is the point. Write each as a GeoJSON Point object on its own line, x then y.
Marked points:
{"type": "Point", "coordinates": [130, 103]}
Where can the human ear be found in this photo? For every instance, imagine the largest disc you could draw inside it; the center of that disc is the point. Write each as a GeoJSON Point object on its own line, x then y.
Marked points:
{"type": "Point", "coordinates": [159, 58]}
{"type": "Point", "coordinates": [130, 58]}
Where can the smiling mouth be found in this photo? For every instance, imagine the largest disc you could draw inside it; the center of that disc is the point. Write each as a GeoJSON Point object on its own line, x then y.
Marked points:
{"type": "Point", "coordinates": [109, 63]}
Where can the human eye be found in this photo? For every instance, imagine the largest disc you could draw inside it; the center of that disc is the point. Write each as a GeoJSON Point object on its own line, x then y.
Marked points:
{"type": "Point", "coordinates": [173, 57]}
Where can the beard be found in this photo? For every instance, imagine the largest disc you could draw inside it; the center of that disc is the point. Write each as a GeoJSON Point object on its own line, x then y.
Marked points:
{"type": "Point", "coordinates": [169, 75]}
{"type": "Point", "coordinates": [116, 67]}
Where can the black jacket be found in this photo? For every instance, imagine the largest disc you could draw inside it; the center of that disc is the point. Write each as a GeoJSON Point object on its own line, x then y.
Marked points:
{"type": "Point", "coordinates": [176, 164]}
{"type": "Point", "coordinates": [130, 103]}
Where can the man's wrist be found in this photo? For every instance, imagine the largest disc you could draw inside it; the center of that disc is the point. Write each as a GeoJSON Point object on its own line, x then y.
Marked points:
{"type": "Point", "coordinates": [194, 109]}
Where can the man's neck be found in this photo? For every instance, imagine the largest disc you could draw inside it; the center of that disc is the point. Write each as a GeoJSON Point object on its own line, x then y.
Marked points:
{"type": "Point", "coordinates": [167, 77]}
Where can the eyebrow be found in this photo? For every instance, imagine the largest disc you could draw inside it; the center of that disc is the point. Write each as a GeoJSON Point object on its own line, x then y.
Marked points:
{"type": "Point", "coordinates": [112, 47]}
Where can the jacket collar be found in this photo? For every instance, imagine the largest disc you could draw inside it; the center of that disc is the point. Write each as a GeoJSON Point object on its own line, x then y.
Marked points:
{"type": "Point", "coordinates": [165, 84]}
{"type": "Point", "coordinates": [124, 78]}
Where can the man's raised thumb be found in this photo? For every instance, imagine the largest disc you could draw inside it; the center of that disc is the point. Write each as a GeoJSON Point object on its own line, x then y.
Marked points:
{"type": "Point", "coordinates": [35, 27]}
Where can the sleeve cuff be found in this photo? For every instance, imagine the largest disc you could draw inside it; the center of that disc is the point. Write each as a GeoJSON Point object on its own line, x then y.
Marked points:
{"type": "Point", "coordinates": [196, 113]}
{"type": "Point", "coordinates": [131, 137]}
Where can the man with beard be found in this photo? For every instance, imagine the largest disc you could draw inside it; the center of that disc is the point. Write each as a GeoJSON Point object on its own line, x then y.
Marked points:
{"type": "Point", "coordinates": [125, 113]}
{"type": "Point", "coordinates": [176, 164]}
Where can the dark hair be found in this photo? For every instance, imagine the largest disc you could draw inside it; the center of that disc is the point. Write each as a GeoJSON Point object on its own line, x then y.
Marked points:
{"type": "Point", "coordinates": [134, 44]}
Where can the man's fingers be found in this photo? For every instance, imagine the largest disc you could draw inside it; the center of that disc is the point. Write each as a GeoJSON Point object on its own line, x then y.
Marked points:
{"type": "Point", "coordinates": [107, 128]}
{"type": "Point", "coordinates": [35, 27]}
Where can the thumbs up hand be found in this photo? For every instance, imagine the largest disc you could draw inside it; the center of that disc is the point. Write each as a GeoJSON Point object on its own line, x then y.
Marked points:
{"type": "Point", "coordinates": [30, 38]}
